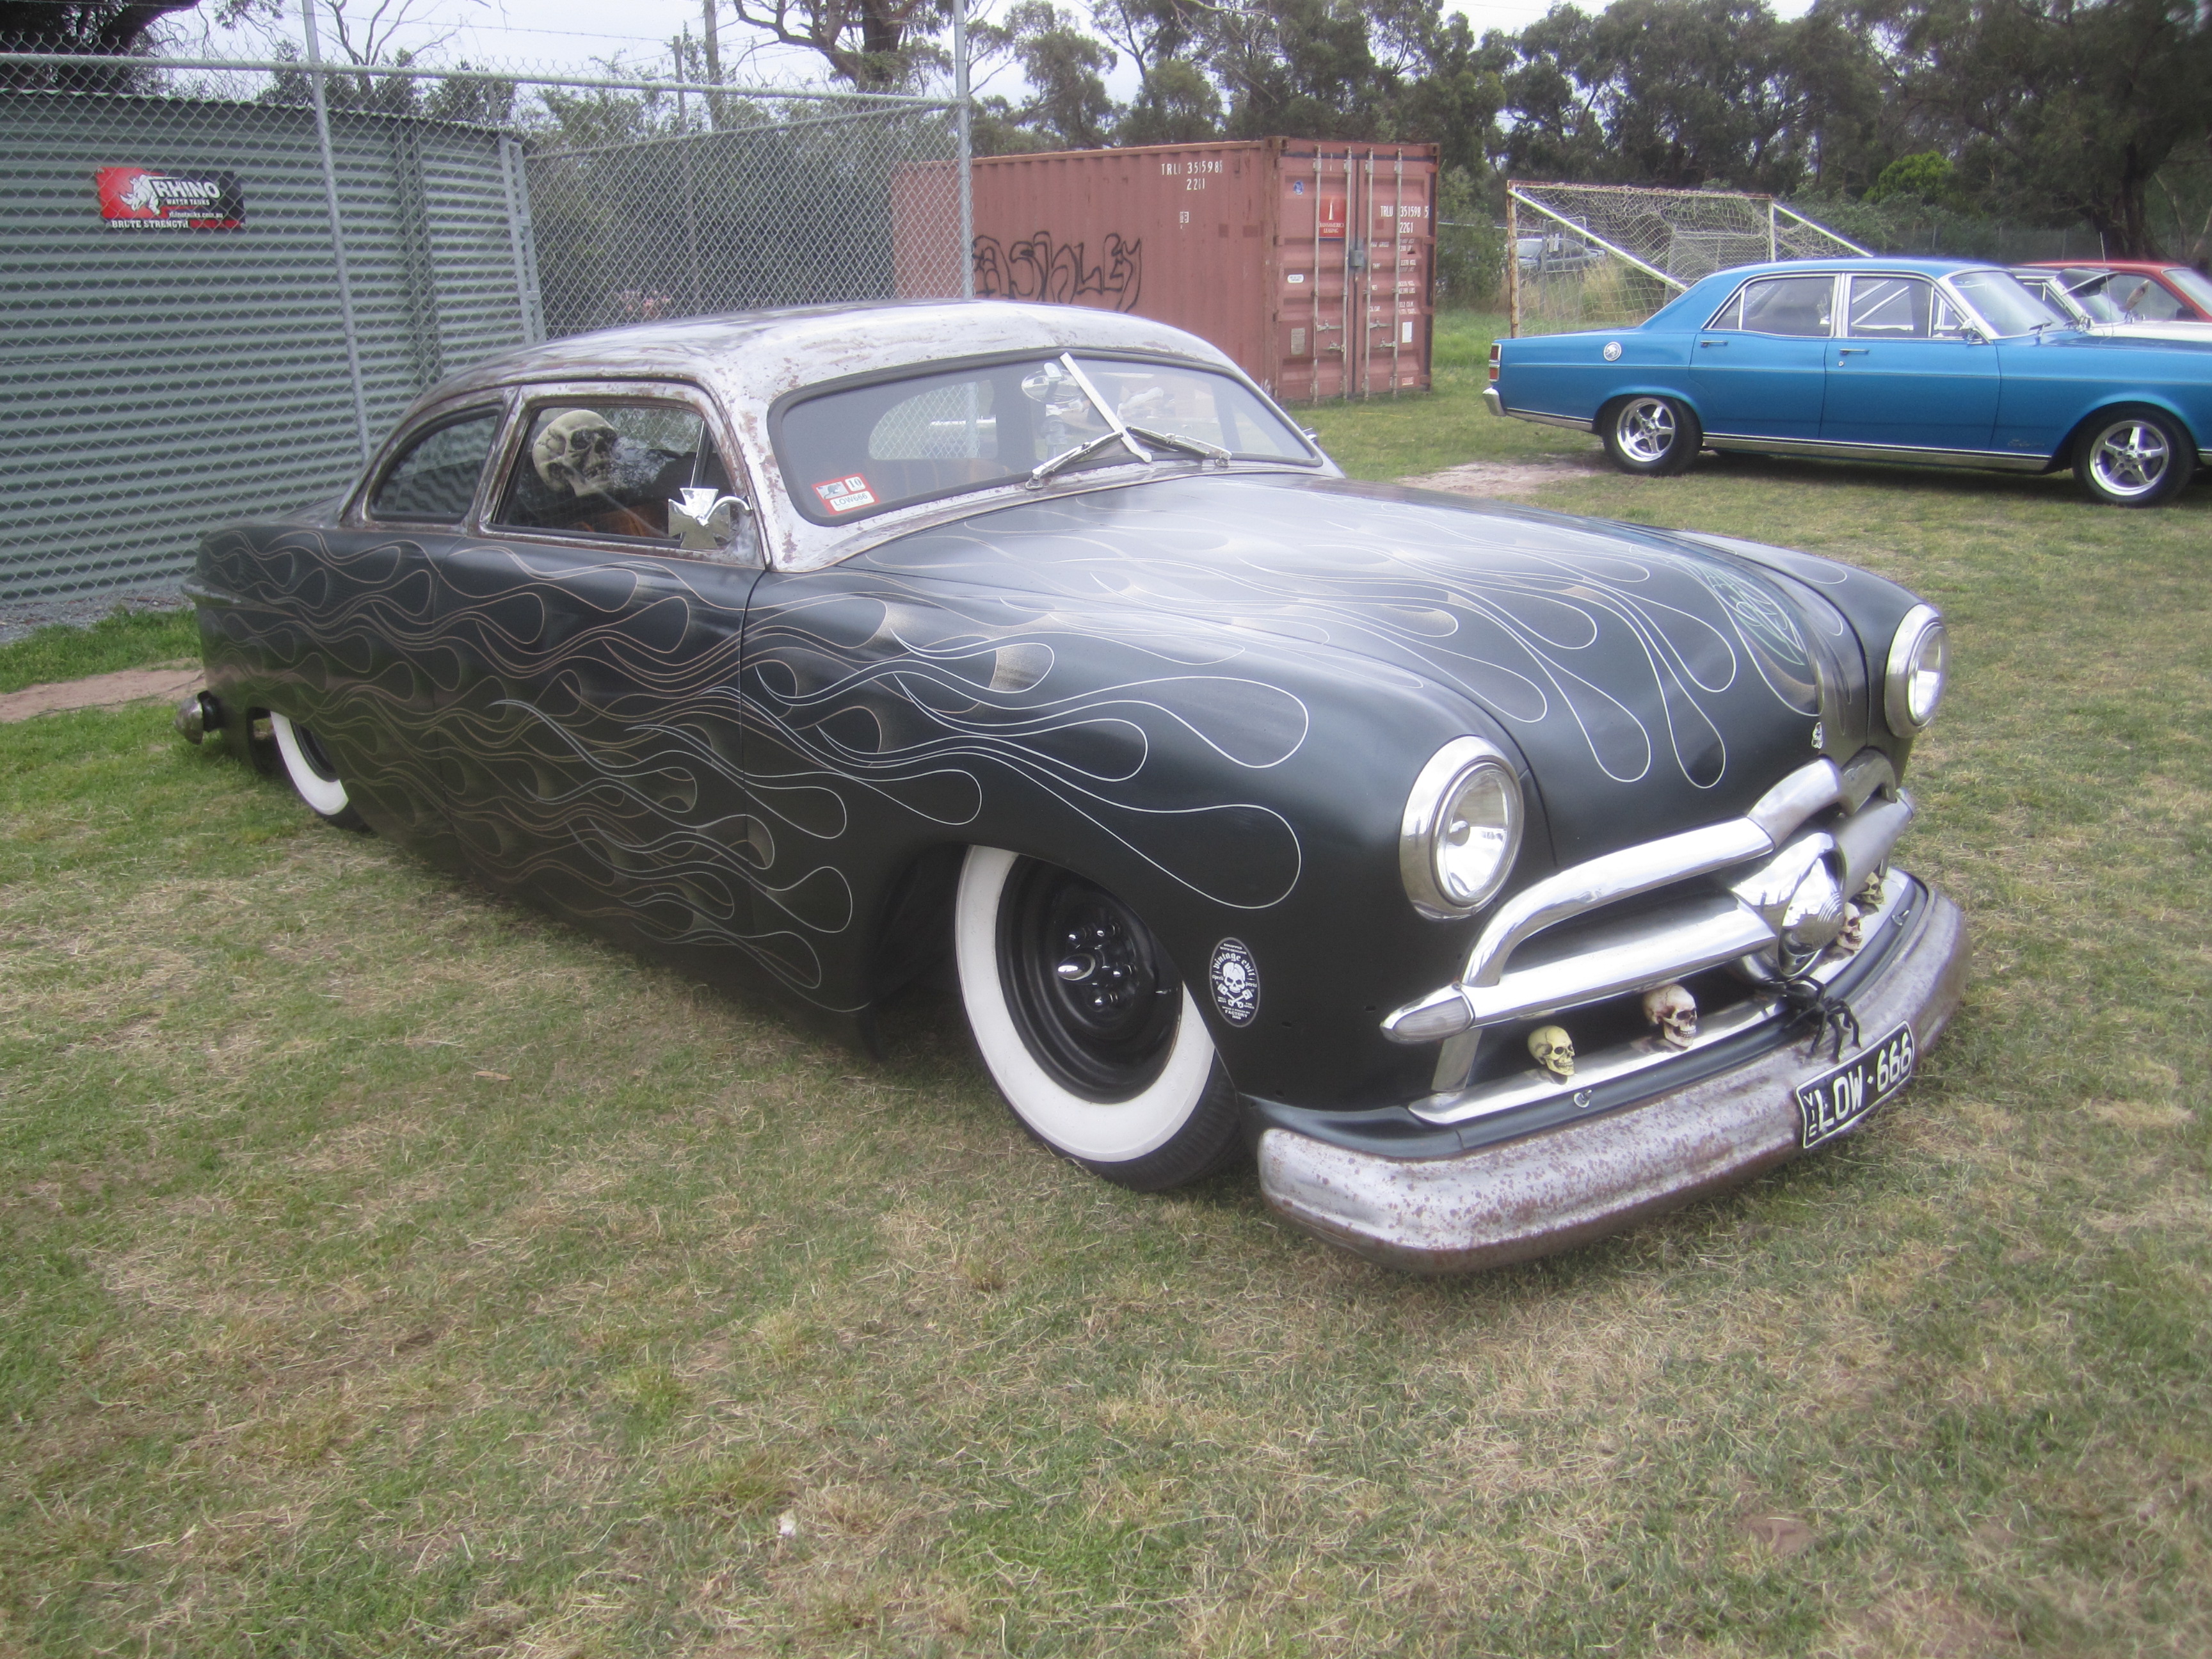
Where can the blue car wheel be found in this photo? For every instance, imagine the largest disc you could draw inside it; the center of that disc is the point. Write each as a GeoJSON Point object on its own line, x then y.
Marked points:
{"type": "Point", "coordinates": [2134, 458]}
{"type": "Point", "coordinates": [1651, 434]}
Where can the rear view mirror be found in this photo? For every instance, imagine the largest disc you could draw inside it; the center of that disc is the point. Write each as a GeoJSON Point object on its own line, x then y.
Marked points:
{"type": "Point", "coordinates": [705, 520]}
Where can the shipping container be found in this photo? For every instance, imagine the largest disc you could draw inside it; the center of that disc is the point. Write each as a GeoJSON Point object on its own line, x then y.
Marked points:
{"type": "Point", "coordinates": [1308, 262]}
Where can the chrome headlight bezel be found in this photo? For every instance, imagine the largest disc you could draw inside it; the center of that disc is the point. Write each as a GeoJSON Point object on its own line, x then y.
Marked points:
{"type": "Point", "coordinates": [1922, 630]}
{"type": "Point", "coordinates": [1458, 765]}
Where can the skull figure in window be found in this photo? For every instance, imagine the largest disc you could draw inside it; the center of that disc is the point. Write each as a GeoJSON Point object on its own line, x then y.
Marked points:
{"type": "Point", "coordinates": [575, 453]}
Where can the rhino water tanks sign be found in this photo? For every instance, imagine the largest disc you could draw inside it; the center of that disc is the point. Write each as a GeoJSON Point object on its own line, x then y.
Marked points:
{"type": "Point", "coordinates": [147, 198]}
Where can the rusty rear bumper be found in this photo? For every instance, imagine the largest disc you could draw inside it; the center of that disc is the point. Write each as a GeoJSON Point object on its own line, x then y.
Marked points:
{"type": "Point", "coordinates": [1554, 1189]}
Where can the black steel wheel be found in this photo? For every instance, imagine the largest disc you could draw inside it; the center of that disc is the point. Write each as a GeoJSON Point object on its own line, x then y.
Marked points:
{"type": "Point", "coordinates": [1086, 1027]}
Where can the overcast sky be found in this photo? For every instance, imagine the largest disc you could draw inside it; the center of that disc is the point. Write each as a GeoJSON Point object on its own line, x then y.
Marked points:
{"type": "Point", "coordinates": [577, 34]}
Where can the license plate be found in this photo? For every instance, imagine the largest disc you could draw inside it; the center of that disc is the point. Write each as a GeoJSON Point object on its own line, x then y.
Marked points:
{"type": "Point", "coordinates": [1833, 1102]}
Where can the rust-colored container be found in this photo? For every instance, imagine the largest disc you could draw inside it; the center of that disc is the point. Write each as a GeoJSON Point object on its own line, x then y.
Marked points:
{"type": "Point", "coordinates": [1308, 262]}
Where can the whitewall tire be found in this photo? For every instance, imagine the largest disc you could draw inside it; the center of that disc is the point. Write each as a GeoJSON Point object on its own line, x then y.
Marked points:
{"type": "Point", "coordinates": [1092, 1037]}
{"type": "Point", "coordinates": [308, 766]}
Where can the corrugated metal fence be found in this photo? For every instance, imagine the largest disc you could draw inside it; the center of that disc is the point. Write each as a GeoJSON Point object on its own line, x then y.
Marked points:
{"type": "Point", "coordinates": [157, 381]}
{"type": "Point", "coordinates": [164, 371]}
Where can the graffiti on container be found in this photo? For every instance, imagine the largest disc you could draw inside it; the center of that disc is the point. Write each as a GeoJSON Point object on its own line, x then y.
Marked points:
{"type": "Point", "coordinates": [1037, 268]}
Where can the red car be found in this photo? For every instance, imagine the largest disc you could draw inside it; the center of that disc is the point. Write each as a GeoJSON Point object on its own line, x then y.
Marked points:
{"type": "Point", "coordinates": [2140, 290]}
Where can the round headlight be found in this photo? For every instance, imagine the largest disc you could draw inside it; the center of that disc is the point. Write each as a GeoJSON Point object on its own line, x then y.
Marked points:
{"type": "Point", "coordinates": [1919, 662]}
{"type": "Point", "coordinates": [1462, 830]}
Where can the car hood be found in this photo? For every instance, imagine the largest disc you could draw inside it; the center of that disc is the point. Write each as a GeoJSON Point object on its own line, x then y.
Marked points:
{"type": "Point", "coordinates": [1652, 684]}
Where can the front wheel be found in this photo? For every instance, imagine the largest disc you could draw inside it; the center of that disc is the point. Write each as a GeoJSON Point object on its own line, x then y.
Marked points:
{"type": "Point", "coordinates": [308, 764]}
{"type": "Point", "coordinates": [1086, 1027]}
{"type": "Point", "coordinates": [2135, 458]}
{"type": "Point", "coordinates": [1651, 435]}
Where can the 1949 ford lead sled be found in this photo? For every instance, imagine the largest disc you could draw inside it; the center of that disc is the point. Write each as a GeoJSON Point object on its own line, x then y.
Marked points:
{"type": "Point", "coordinates": [1499, 876]}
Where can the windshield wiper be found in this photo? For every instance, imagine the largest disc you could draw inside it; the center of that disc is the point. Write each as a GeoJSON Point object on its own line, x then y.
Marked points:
{"type": "Point", "coordinates": [1198, 447]}
{"type": "Point", "coordinates": [1122, 433]}
{"type": "Point", "coordinates": [1044, 470]}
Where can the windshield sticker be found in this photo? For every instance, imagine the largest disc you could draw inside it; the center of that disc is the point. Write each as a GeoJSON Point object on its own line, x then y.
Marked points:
{"type": "Point", "coordinates": [846, 494]}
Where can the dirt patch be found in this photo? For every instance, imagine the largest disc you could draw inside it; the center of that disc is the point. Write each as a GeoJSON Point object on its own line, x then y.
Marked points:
{"type": "Point", "coordinates": [1501, 478]}
{"type": "Point", "coordinates": [171, 683]}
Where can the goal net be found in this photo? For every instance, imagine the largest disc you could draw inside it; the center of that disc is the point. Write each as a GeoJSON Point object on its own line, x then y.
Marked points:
{"type": "Point", "coordinates": [1584, 255]}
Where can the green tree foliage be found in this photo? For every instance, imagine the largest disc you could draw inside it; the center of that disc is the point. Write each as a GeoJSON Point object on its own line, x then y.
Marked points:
{"type": "Point", "coordinates": [2057, 109]}
{"type": "Point", "coordinates": [1927, 175]}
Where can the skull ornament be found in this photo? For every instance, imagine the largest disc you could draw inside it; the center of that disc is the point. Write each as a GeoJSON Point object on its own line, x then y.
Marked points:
{"type": "Point", "coordinates": [1554, 1050]}
{"type": "Point", "coordinates": [1869, 897]}
{"type": "Point", "coordinates": [1853, 934]}
{"type": "Point", "coordinates": [576, 453]}
{"type": "Point", "coordinates": [1674, 1011]}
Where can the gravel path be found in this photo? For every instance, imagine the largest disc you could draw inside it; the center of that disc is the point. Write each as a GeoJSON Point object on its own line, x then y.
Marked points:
{"type": "Point", "coordinates": [27, 616]}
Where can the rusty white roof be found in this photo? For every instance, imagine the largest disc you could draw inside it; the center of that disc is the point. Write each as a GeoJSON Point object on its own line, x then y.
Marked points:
{"type": "Point", "coordinates": [752, 358]}
{"type": "Point", "coordinates": [748, 360]}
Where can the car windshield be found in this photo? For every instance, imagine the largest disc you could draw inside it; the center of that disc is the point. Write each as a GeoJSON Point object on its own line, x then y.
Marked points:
{"type": "Point", "coordinates": [2088, 291]}
{"type": "Point", "coordinates": [2004, 305]}
{"type": "Point", "coordinates": [2193, 282]}
{"type": "Point", "coordinates": [860, 450]}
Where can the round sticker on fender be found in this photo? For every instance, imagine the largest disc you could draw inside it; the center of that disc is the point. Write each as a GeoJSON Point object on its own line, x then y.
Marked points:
{"type": "Point", "coordinates": [1235, 981]}
{"type": "Point", "coordinates": [1613, 351]}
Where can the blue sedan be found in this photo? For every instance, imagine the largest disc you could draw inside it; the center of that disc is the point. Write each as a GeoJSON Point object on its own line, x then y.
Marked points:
{"type": "Point", "coordinates": [1931, 362]}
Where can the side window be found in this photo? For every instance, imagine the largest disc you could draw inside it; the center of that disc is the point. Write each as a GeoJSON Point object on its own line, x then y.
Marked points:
{"type": "Point", "coordinates": [1890, 307]}
{"type": "Point", "coordinates": [1947, 322]}
{"type": "Point", "coordinates": [608, 467]}
{"type": "Point", "coordinates": [1801, 307]}
{"type": "Point", "coordinates": [435, 477]}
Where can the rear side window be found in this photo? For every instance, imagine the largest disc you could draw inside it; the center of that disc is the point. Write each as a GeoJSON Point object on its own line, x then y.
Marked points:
{"type": "Point", "coordinates": [608, 467]}
{"type": "Point", "coordinates": [434, 478]}
{"type": "Point", "coordinates": [1797, 307]}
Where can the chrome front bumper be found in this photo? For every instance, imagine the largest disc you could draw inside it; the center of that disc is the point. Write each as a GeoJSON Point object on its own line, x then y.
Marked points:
{"type": "Point", "coordinates": [1561, 1186]}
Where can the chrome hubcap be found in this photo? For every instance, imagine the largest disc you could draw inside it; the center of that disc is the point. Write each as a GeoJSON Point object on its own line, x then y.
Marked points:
{"type": "Point", "coordinates": [2131, 458]}
{"type": "Point", "coordinates": [1646, 429]}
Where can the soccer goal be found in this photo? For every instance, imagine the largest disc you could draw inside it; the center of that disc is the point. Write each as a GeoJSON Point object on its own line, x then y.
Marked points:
{"type": "Point", "coordinates": [1584, 256]}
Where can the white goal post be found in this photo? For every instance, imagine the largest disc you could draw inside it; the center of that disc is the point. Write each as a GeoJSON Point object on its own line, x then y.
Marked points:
{"type": "Point", "coordinates": [1615, 254]}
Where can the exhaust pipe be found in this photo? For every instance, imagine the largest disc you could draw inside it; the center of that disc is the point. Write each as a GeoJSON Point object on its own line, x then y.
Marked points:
{"type": "Point", "coordinates": [197, 715]}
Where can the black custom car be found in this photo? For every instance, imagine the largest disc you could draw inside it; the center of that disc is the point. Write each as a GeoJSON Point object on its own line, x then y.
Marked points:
{"type": "Point", "coordinates": [1497, 876]}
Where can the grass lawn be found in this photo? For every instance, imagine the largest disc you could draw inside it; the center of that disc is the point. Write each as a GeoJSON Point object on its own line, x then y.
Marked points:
{"type": "Point", "coordinates": [385, 1269]}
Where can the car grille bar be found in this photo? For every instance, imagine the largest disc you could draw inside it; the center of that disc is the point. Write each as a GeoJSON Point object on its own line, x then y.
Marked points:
{"type": "Point", "coordinates": [1699, 931]}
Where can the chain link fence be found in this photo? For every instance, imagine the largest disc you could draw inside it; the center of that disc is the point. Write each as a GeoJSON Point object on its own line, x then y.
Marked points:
{"type": "Point", "coordinates": [225, 279]}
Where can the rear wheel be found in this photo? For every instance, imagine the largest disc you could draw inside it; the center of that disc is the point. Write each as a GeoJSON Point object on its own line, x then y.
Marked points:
{"type": "Point", "coordinates": [1651, 434]}
{"type": "Point", "coordinates": [2134, 458]}
{"type": "Point", "coordinates": [1086, 1027]}
{"type": "Point", "coordinates": [309, 767]}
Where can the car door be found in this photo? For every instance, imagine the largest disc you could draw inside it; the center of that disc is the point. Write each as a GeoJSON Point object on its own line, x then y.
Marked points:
{"type": "Point", "coordinates": [1760, 367]}
{"type": "Point", "coordinates": [363, 623]}
{"type": "Point", "coordinates": [1907, 371]}
{"type": "Point", "coordinates": [589, 726]}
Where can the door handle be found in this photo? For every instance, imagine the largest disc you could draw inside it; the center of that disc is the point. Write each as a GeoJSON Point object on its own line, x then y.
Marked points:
{"type": "Point", "coordinates": [1712, 345]}
{"type": "Point", "coordinates": [1842, 352]}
